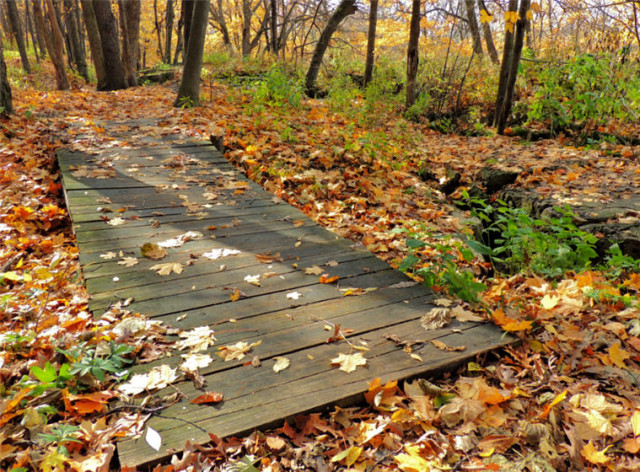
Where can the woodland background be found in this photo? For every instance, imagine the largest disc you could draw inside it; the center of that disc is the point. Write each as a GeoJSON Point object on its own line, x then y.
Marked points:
{"type": "Point", "coordinates": [489, 149]}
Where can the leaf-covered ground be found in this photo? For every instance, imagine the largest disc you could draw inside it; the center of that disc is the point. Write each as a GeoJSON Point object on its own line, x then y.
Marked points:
{"type": "Point", "coordinates": [567, 398]}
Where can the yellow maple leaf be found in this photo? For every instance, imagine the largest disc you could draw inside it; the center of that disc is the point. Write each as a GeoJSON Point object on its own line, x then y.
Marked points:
{"type": "Point", "coordinates": [590, 453]}
{"type": "Point", "coordinates": [485, 16]}
{"type": "Point", "coordinates": [635, 423]}
{"type": "Point", "coordinates": [412, 462]}
{"type": "Point", "coordinates": [535, 7]}
{"type": "Point", "coordinates": [618, 355]}
{"type": "Point", "coordinates": [511, 16]}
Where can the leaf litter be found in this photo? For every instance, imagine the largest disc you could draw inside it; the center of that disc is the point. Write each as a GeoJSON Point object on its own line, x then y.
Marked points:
{"type": "Point", "coordinates": [566, 396]}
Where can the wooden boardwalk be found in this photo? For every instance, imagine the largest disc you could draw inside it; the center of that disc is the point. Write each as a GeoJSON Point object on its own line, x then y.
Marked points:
{"type": "Point", "coordinates": [123, 198]}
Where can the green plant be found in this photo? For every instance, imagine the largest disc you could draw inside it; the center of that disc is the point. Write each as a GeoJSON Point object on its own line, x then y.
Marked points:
{"type": "Point", "coordinates": [420, 108]}
{"type": "Point", "coordinates": [278, 89]}
{"type": "Point", "coordinates": [62, 434]}
{"type": "Point", "coordinates": [514, 241]}
{"type": "Point", "coordinates": [443, 270]}
{"type": "Point", "coordinates": [50, 378]}
{"type": "Point", "coordinates": [185, 102]}
{"type": "Point", "coordinates": [617, 264]}
{"type": "Point", "coordinates": [87, 360]}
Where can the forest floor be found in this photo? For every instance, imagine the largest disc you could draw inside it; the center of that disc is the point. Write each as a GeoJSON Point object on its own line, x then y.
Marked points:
{"type": "Point", "coordinates": [567, 398]}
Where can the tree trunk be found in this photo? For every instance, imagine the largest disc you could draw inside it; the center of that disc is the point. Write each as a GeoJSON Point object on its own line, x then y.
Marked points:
{"type": "Point", "coordinates": [30, 31]}
{"type": "Point", "coordinates": [344, 9]}
{"type": "Point", "coordinates": [273, 20]}
{"type": "Point", "coordinates": [180, 35]}
{"type": "Point", "coordinates": [246, 27]}
{"type": "Point", "coordinates": [157, 28]}
{"type": "Point", "coordinates": [6, 104]}
{"type": "Point", "coordinates": [41, 42]}
{"type": "Point", "coordinates": [74, 38]}
{"type": "Point", "coordinates": [189, 91]}
{"type": "Point", "coordinates": [95, 45]}
{"type": "Point", "coordinates": [170, 15]}
{"type": "Point", "coordinates": [16, 26]}
{"type": "Point", "coordinates": [54, 42]}
{"type": "Point", "coordinates": [187, 6]}
{"type": "Point", "coordinates": [511, 67]}
{"type": "Point", "coordinates": [413, 54]}
{"type": "Point", "coordinates": [488, 37]}
{"type": "Point", "coordinates": [473, 26]}
{"type": "Point", "coordinates": [130, 28]}
{"type": "Point", "coordinates": [371, 42]}
{"type": "Point", "coordinates": [110, 45]}
{"type": "Point", "coordinates": [217, 13]}
{"type": "Point", "coordinates": [507, 51]}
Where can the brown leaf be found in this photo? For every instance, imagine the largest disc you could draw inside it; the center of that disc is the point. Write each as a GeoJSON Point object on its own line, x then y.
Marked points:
{"type": "Point", "coordinates": [208, 397]}
{"type": "Point", "coordinates": [445, 347]}
{"type": "Point", "coordinates": [152, 251]}
{"type": "Point", "coordinates": [268, 258]}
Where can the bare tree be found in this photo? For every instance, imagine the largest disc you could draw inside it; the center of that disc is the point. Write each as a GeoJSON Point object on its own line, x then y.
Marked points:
{"type": "Point", "coordinates": [16, 26]}
{"type": "Point", "coordinates": [510, 64]}
{"type": "Point", "coordinates": [371, 42]}
{"type": "Point", "coordinates": [75, 42]}
{"type": "Point", "coordinates": [488, 36]}
{"type": "Point", "coordinates": [344, 9]}
{"type": "Point", "coordinates": [95, 45]}
{"type": "Point", "coordinates": [412, 53]}
{"type": "Point", "coordinates": [54, 41]}
{"type": "Point", "coordinates": [473, 27]}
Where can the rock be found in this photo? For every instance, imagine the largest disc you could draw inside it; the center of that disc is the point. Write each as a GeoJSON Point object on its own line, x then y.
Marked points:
{"type": "Point", "coordinates": [451, 183]}
{"type": "Point", "coordinates": [157, 76]}
{"type": "Point", "coordinates": [494, 179]}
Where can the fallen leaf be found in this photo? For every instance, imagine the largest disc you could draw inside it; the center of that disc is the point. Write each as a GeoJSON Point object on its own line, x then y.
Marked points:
{"type": "Point", "coordinates": [152, 251]}
{"type": "Point", "coordinates": [446, 347]}
{"type": "Point", "coordinates": [193, 362]}
{"type": "Point", "coordinates": [269, 258]}
{"type": "Point", "coordinates": [349, 362]}
{"type": "Point", "coordinates": [117, 221]}
{"type": "Point", "coordinates": [281, 364]}
{"type": "Point", "coordinates": [197, 339]}
{"type": "Point", "coordinates": [328, 280]}
{"type": "Point", "coordinates": [590, 453]}
{"type": "Point", "coordinates": [314, 270]}
{"type": "Point", "coordinates": [218, 253]}
{"type": "Point", "coordinates": [153, 438]}
{"type": "Point", "coordinates": [108, 255]}
{"type": "Point", "coordinates": [128, 261]}
{"type": "Point", "coordinates": [236, 351]}
{"type": "Point", "coordinates": [167, 268]}
{"type": "Point", "coordinates": [208, 397]}
{"type": "Point", "coordinates": [253, 280]}
{"type": "Point", "coordinates": [618, 355]}
{"type": "Point", "coordinates": [294, 295]}
{"type": "Point", "coordinates": [436, 318]}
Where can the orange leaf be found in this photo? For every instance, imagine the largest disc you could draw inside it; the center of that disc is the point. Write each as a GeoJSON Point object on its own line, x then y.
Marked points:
{"type": "Point", "coordinates": [208, 397]}
{"type": "Point", "coordinates": [325, 279]}
{"type": "Point", "coordinates": [590, 453]}
{"type": "Point", "coordinates": [558, 399]}
{"type": "Point", "coordinates": [618, 355]}
{"type": "Point", "coordinates": [510, 324]}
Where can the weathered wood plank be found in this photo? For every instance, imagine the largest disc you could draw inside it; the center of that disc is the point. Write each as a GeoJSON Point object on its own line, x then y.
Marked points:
{"type": "Point", "coordinates": [257, 397]}
{"type": "Point", "coordinates": [177, 178]}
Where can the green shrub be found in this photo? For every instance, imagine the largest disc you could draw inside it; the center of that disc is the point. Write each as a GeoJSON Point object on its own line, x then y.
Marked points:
{"type": "Point", "coordinates": [515, 242]}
